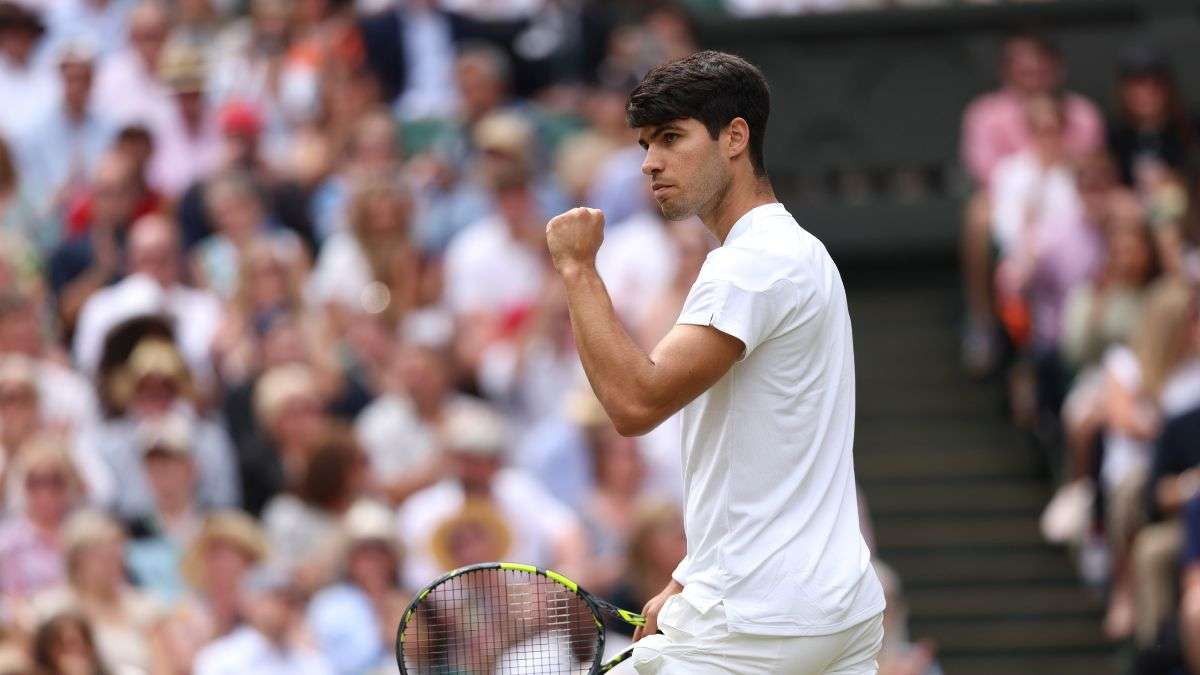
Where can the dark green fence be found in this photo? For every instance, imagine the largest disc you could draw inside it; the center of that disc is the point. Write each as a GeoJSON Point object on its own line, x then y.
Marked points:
{"type": "Point", "coordinates": [863, 139]}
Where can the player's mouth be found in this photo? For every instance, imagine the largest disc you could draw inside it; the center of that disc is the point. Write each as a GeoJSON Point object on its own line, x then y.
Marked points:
{"type": "Point", "coordinates": [660, 189]}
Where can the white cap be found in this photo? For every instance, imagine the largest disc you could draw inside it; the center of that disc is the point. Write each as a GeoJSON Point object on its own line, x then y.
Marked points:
{"type": "Point", "coordinates": [474, 428]}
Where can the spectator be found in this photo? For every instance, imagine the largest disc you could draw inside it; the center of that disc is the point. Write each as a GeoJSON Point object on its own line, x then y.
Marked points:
{"type": "Point", "coordinates": [240, 216]}
{"type": "Point", "coordinates": [1190, 604]}
{"type": "Point", "coordinates": [354, 620]}
{"type": "Point", "coordinates": [68, 402]}
{"type": "Point", "coordinates": [412, 407]}
{"type": "Point", "coordinates": [31, 539]}
{"type": "Point", "coordinates": [154, 286]}
{"type": "Point", "coordinates": [20, 409]}
{"type": "Point", "coordinates": [289, 410]}
{"type": "Point", "coordinates": [995, 127]}
{"type": "Point", "coordinates": [414, 76]}
{"type": "Point", "coordinates": [120, 615]}
{"type": "Point", "coordinates": [485, 508]}
{"type": "Point", "coordinates": [154, 384]}
{"type": "Point", "coordinates": [303, 524]}
{"type": "Point", "coordinates": [187, 137]}
{"type": "Point", "coordinates": [217, 559]}
{"type": "Point", "coordinates": [128, 83]}
{"type": "Point", "coordinates": [372, 266]}
{"type": "Point", "coordinates": [22, 77]}
{"type": "Point", "coordinates": [268, 641]}
{"type": "Point", "coordinates": [65, 645]}
{"type": "Point", "coordinates": [656, 545]}
{"type": "Point", "coordinates": [61, 151]}
{"type": "Point", "coordinates": [373, 155]}
{"type": "Point", "coordinates": [1152, 124]}
{"type": "Point", "coordinates": [82, 265]}
{"type": "Point", "coordinates": [1154, 380]}
{"type": "Point", "coordinates": [159, 539]}
{"type": "Point", "coordinates": [101, 22]}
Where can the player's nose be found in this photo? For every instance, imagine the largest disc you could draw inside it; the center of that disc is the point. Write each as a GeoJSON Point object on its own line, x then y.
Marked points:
{"type": "Point", "coordinates": [651, 164]}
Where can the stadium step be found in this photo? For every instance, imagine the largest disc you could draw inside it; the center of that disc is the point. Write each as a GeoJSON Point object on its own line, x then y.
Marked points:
{"type": "Point", "coordinates": [954, 494]}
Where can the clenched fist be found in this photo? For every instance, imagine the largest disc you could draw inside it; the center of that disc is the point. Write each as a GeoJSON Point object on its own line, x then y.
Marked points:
{"type": "Point", "coordinates": [574, 237]}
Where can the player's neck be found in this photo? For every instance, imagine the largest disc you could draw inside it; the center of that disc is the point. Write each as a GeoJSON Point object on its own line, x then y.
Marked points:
{"type": "Point", "coordinates": [744, 194]}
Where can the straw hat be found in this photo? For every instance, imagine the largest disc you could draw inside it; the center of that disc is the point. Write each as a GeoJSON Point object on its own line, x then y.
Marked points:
{"type": "Point", "coordinates": [474, 428]}
{"type": "Point", "coordinates": [231, 527]}
{"type": "Point", "coordinates": [278, 386]}
{"type": "Point", "coordinates": [153, 356]}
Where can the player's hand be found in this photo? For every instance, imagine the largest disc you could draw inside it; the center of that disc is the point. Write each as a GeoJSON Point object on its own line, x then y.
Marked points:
{"type": "Point", "coordinates": [652, 608]}
{"type": "Point", "coordinates": [574, 237]}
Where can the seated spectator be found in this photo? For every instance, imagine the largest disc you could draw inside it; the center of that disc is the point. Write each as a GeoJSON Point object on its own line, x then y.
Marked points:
{"type": "Point", "coordinates": [371, 266]}
{"type": "Point", "coordinates": [485, 508]}
{"type": "Point", "coordinates": [995, 127]}
{"type": "Point", "coordinates": [399, 430]}
{"type": "Point", "coordinates": [155, 382]}
{"type": "Point", "coordinates": [120, 615]}
{"type": "Point", "coordinates": [638, 262]}
{"type": "Point", "coordinates": [1152, 124]}
{"type": "Point", "coordinates": [303, 524]}
{"type": "Point", "coordinates": [1189, 617]}
{"type": "Point", "coordinates": [269, 641]}
{"type": "Point", "coordinates": [65, 644]}
{"type": "Point", "coordinates": [188, 142]}
{"type": "Point", "coordinates": [354, 620]}
{"type": "Point", "coordinates": [135, 144]}
{"type": "Point", "coordinates": [238, 213]}
{"type": "Point", "coordinates": [216, 561]}
{"type": "Point", "coordinates": [158, 540]}
{"type": "Point", "coordinates": [20, 411]}
{"type": "Point", "coordinates": [154, 286]}
{"type": "Point", "coordinates": [495, 268]}
{"type": "Point", "coordinates": [23, 77]}
{"type": "Point", "coordinates": [82, 265]}
{"type": "Point", "coordinates": [289, 410]}
{"type": "Point", "coordinates": [269, 290]}
{"type": "Point", "coordinates": [656, 545]}
{"type": "Point", "coordinates": [31, 540]}
{"type": "Point", "coordinates": [128, 83]}
{"type": "Point", "coordinates": [1156, 379]}
{"type": "Point", "coordinates": [611, 511]}
{"type": "Point", "coordinates": [373, 156]}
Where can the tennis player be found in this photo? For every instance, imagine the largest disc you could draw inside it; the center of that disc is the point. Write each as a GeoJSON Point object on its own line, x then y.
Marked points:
{"type": "Point", "coordinates": [777, 577]}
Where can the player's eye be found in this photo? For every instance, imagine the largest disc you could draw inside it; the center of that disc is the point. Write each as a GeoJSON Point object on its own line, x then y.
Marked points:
{"type": "Point", "coordinates": [668, 137]}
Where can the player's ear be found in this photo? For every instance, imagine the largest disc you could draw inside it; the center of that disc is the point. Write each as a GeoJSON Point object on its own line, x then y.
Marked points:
{"type": "Point", "coordinates": [738, 137]}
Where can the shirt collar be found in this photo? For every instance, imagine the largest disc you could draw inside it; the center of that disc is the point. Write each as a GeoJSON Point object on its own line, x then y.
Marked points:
{"type": "Point", "coordinates": [743, 224]}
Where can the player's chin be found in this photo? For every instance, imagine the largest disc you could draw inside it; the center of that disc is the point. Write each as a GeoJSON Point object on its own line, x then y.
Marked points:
{"type": "Point", "coordinates": [673, 209]}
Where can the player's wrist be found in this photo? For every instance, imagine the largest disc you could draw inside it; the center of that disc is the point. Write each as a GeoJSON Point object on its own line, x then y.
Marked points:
{"type": "Point", "coordinates": [576, 269]}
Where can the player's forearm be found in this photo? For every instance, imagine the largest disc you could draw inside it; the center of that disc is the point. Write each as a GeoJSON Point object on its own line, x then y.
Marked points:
{"type": "Point", "coordinates": [620, 372]}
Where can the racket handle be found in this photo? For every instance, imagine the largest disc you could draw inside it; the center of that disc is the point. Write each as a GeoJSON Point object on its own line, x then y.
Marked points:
{"type": "Point", "coordinates": [617, 660]}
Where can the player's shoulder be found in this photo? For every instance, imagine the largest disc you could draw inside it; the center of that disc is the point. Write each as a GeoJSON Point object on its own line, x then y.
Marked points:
{"type": "Point", "coordinates": [772, 248]}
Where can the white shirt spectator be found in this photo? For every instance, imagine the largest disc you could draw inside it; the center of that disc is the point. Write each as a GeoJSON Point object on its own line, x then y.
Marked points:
{"type": "Point", "coordinates": [56, 151]}
{"type": "Point", "coordinates": [342, 273]}
{"type": "Point", "coordinates": [36, 87]}
{"type": "Point", "coordinates": [537, 522]}
{"type": "Point", "coordinates": [109, 455]}
{"type": "Point", "coordinates": [1020, 184]}
{"type": "Point", "coordinates": [129, 92]}
{"type": "Point", "coordinates": [67, 398]}
{"type": "Point", "coordinates": [487, 270]}
{"type": "Point", "coordinates": [636, 262]}
{"type": "Point", "coordinates": [196, 315]}
{"type": "Point", "coordinates": [771, 509]}
{"type": "Point", "coordinates": [393, 437]}
{"type": "Point", "coordinates": [246, 650]}
{"type": "Point", "coordinates": [429, 53]}
{"type": "Point", "coordinates": [180, 156]}
{"type": "Point", "coordinates": [101, 22]}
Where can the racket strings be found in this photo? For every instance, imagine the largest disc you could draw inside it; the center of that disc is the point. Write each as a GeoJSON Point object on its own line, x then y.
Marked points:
{"type": "Point", "coordinates": [501, 622]}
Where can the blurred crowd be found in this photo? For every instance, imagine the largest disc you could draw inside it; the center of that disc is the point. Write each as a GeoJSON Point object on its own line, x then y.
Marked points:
{"type": "Point", "coordinates": [1081, 262]}
{"type": "Point", "coordinates": [279, 342]}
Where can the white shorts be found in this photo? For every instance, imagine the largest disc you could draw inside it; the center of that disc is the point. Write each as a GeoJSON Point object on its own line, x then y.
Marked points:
{"type": "Point", "coordinates": [692, 643]}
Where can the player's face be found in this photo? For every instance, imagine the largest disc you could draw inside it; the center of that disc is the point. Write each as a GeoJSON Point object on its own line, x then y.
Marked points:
{"type": "Point", "coordinates": [686, 168]}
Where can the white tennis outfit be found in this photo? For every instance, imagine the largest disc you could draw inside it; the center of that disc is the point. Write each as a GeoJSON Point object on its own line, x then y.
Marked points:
{"type": "Point", "coordinates": [777, 578]}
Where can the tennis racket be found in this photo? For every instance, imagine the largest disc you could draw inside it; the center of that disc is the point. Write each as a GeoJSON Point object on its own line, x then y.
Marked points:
{"type": "Point", "coordinates": [506, 619]}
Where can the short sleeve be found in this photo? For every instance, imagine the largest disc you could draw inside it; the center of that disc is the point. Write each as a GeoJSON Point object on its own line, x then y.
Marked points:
{"type": "Point", "coordinates": [681, 571]}
{"type": "Point", "coordinates": [748, 315]}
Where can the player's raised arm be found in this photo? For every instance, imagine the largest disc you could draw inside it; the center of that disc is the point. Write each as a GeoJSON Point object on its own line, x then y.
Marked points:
{"type": "Point", "coordinates": [637, 390]}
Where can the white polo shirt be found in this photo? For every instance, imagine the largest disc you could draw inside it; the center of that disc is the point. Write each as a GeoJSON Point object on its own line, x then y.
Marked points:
{"type": "Point", "coordinates": [771, 512]}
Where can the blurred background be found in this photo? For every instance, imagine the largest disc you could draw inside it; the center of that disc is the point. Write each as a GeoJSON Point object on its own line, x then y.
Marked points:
{"type": "Point", "coordinates": [280, 341]}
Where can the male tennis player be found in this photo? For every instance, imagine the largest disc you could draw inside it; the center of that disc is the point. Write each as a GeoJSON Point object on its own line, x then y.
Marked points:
{"type": "Point", "coordinates": [777, 577]}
